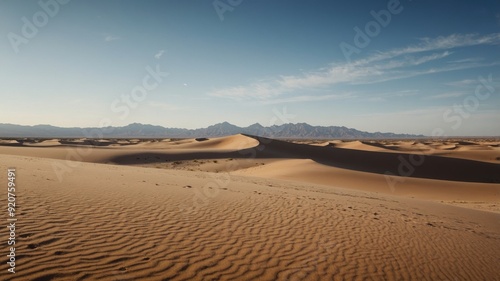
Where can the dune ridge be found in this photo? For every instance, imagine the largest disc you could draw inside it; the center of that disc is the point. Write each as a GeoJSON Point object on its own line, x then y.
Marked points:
{"type": "Point", "coordinates": [250, 208]}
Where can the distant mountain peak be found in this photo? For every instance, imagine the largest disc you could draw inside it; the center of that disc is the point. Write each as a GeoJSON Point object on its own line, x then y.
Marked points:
{"type": "Point", "coordinates": [289, 130]}
{"type": "Point", "coordinates": [255, 125]}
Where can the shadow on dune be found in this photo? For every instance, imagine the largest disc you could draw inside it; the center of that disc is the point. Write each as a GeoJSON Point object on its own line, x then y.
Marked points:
{"type": "Point", "coordinates": [12, 144]}
{"type": "Point", "coordinates": [379, 145]}
{"type": "Point", "coordinates": [399, 164]}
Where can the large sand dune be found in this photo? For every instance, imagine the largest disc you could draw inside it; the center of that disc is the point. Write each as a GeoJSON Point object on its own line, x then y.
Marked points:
{"type": "Point", "coordinates": [249, 208]}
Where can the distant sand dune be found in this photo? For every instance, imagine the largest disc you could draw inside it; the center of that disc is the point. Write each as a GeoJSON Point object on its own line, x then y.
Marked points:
{"type": "Point", "coordinates": [359, 145]}
{"type": "Point", "coordinates": [461, 167]}
{"type": "Point", "coordinates": [430, 167]}
{"type": "Point", "coordinates": [236, 142]}
{"type": "Point", "coordinates": [313, 172]}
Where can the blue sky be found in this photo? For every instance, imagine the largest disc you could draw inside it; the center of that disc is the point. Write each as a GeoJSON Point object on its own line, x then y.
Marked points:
{"type": "Point", "coordinates": [424, 67]}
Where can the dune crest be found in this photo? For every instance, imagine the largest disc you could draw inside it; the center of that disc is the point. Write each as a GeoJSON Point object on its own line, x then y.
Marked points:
{"type": "Point", "coordinates": [235, 142]}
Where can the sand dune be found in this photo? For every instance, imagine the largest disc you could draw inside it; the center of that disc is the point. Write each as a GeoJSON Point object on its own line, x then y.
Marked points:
{"type": "Point", "coordinates": [127, 223]}
{"type": "Point", "coordinates": [46, 143]}
{"type": "Point", "coordinates": [249, 208]}
{"type": "Point", "coordinates": [358, 145]}
{"type": "Point", "coordinates": [313, 172]}
{"type": "Point", "coordinates": [326, 164]}
{"type": "Point", "coordinates": [236, 142]}
{"type": "Point", "coordinates": [458, 166]}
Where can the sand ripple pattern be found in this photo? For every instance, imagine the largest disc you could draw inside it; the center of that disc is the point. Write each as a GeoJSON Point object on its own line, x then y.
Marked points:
{"type": "Point", "coordinates": [137, 228]}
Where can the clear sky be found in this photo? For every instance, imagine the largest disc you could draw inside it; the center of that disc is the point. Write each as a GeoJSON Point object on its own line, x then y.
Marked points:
{"type": "Point", "coordinates": [399, 66]}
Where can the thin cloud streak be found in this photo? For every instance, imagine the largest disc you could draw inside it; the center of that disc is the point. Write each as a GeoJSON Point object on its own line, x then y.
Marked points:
{"type": "Point", "coordinates": [159, 54]}
{"type": "Point", "coordinates": [447, 95]}
{"type": "Point", "coordinates": [381, 67]}
{"type": "Point", "coordinates": [462, 83]}
{"type": "Point", "coordinates": [307, 98]}
{"type": "Point", "coordinates": [439, 43]}
{"type": "Point", "coordinates": [110, 38]}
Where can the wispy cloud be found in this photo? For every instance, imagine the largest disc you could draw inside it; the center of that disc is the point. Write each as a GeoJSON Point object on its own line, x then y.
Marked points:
{"type": "Point", "coordinates": [462, 83]}
{"type": "Point", "coordinates": [306, 98]}
{"type": "Point", "coordinates": [447, 95]}
{"type": "Point", "coordinates": [439, 43]}
{"type": "Point", "coordinates": [110, 38]}
{"type": "Point", "coordinates": [380, 67]}
{"type": "Point", "coordinates": [159, 54]}
{"type": "Point", "coordinates": [406, 73]}
{"type": "Point", "coordinates": [467, 60]}
{"type": "Point", "coordinates": [404, 93]}
{"type": "Point", "coordinates": [378, 97]}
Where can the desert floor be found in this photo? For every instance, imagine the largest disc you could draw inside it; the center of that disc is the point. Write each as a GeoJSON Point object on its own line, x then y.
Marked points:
{"type": "Point", "coordinates": [249, 208]}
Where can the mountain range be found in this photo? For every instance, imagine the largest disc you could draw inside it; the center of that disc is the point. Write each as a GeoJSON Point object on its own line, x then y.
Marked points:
{"type": "Point", "coordinates": [137, 130]}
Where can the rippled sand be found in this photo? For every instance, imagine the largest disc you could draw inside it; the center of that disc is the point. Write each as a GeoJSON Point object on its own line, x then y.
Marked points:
{"type": "Point", "coordinates": [244, 208]}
